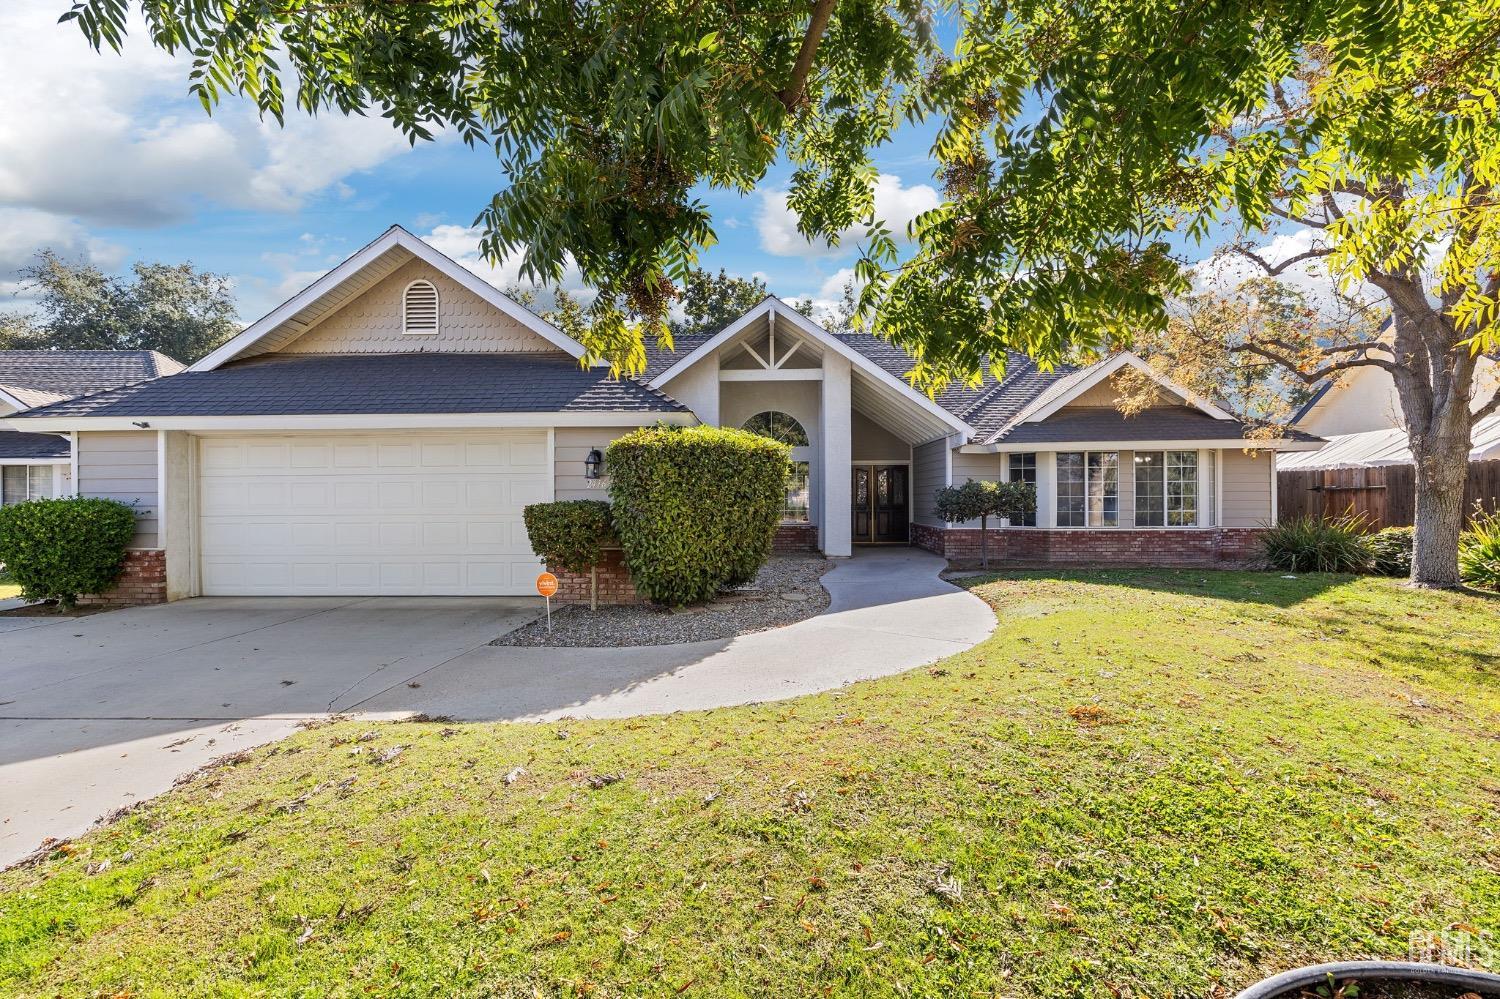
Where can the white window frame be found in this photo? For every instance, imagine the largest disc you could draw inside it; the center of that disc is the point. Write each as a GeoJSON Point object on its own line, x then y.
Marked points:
{"type": "Point", "coordinates": [31, 467]}
{"type": "Point", "coordinates": [437, 309]}
{"type": "Point", "coordinates": [1087, 493]}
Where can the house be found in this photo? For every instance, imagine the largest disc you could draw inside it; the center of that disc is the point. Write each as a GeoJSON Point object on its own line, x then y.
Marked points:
{"type": "Point", "coordinates": [380, 433]}
{"type": "Point", "coordinates": [1360, 416]}
{"type": "Point", "coordinates": [39, 465]}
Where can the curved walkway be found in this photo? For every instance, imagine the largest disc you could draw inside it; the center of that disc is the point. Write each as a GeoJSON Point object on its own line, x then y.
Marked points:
{"type": "Point", "coordinates": [889, 612]}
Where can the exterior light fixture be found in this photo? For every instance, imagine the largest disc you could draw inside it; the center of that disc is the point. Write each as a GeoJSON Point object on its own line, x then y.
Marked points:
{"type": "Point", "coordinates": [593, 464]}
{"type": "Point", "coordinates": [140, 423]}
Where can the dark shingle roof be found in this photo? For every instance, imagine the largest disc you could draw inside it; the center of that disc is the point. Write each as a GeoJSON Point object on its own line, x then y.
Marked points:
{"type": "Point", "coordinates": [23, 445]}
{"type": "Point", "coordinates": [1104, 423]}
{"type": "Point", "coordinates": [327, 384]}
{"type": "Point", "coordinates": [37, 377]}
{"type": "Point", "coordinates": [987, 406]}
{"type": "Point", "coordinates": [659, 359]}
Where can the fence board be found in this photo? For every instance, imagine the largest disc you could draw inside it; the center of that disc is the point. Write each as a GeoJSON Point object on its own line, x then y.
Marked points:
{"type": "Point", "coordinates": [1386, 494]}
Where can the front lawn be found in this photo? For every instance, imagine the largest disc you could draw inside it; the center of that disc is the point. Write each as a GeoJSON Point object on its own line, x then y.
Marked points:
{"type": "Point", "coordinates": [1145, 784]}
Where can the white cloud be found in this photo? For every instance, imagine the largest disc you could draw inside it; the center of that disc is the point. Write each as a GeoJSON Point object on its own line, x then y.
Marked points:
{"type": "Point", "coordinates": [1226, 271]}
{"type": "Point", "coordinates": [895, 205]}
{"type": "Point", "coordinates": [114, 139]}
{"type": "Point", "coordinates": [462, 244]}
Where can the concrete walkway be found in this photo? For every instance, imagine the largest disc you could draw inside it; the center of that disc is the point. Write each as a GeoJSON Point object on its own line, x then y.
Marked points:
{"type": "Point", "coordinates": [100, 712]}
{"type": "Point", "coordinates": [889, 613]}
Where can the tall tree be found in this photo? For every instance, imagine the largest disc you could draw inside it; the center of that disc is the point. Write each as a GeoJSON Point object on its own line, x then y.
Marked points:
{"type": "Point", "coordinates": [709, 300]}
{"type": "Point", "coordinates": [173, 308]}
{"type": "Point", "coordinates": [1075, 141]}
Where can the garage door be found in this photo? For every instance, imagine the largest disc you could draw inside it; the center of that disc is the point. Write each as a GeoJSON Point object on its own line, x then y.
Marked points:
{"type": "Point", "coordinates": [391, 514]}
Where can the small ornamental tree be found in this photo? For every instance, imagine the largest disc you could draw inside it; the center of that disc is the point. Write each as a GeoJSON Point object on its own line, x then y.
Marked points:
{"type": "Point", "coordinates": [57, 549]}
{"type": "Point", "coordinates": [695, 508]}
{"type": "Point", "coordinates": [981, 501]}
{"type": "Point", "coordinates": [572, 535]}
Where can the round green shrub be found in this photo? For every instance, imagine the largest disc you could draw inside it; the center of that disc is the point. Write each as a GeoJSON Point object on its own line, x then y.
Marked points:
{"type": "Point", "coordinates": [57, 549]}
{"type": "Point", "coordinates": [1479, 551]}
{"type": "Point", "coordinates": [570, 534]}
{"type": "Point", "coordinates": [695, 508]}
{"type": "Point", "coordinates": [1390, 550]}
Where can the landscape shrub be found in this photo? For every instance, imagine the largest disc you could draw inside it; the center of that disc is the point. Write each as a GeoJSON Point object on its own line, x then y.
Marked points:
{"type": "Point", "coordinates": [1390, 551]}
{"type": "Point", "coordinates": [570, 534]}
{"type": "Point", "coordinates": [57, 549]}
{"type": "Point", "coordinates": [695, 508]}
{"type": "Point", "coordinates": [1318, 544]}
{"type": "Point", "coordinates": [1479, 551]}
{"type": "Point", "coordinates": [982, 500]}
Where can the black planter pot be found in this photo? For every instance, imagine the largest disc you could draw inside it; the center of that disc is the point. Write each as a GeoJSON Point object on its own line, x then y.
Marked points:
{"type": "Point", "coordinates": [1289, 983]}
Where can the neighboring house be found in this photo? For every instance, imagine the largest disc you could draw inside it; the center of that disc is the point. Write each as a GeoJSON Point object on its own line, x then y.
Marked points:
{"type": "Point", "coordinates": [381, 432]}
{"type": "Point", "coordinates": [1360, 417]}
{"type": "Point", "coordinates": [39, 465]}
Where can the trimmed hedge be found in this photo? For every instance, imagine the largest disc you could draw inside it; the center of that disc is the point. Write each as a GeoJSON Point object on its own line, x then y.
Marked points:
{"type": "Point", "coordinates": [57, 549]}
{"type": "Point", "coordinates": [570, 534]}
{"type": "Point", "coordinates": [695, 508]}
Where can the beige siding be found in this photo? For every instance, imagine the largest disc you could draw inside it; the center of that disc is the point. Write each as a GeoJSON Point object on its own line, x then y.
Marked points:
{"type": "Point", "coordinates": [371, 324]}
{"type": "Point", "coordinates": [1246, 500]}
{"type": "Point", "coordinates": [929, 473]}
{"type": "Point", "coordinates": [571, 448]}
{"type": "Point", "coordinates": [872, 442]}
{"type": "Point", "coordinates": [980, 467]}
{"type": "Point", "coordinates": [1127, 489]}
{"type": "Point", "coordinates": [121, 465]}
{"type": "Point", "coordinates": [1107, 394]}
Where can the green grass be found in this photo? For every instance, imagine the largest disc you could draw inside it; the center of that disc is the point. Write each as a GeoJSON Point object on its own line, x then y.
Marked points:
{"type": "Point", "coordinates": [1145, 784]}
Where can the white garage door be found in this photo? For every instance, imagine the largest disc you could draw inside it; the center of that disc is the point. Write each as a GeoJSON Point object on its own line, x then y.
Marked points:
{"type": "Point", "coordinates": [361, 514]}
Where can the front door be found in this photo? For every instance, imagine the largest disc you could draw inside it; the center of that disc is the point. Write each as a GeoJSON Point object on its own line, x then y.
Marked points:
{"type": "Point", "coordinates": [878, 497]}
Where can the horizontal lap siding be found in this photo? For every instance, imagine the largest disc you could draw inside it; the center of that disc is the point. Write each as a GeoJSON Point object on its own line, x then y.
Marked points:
{"type": "Point", "coordinates": [929, 473]}
{"type": "Point", "coordinates": [121, 465]}
{"type": "Point", "coordinates": [1246, 501]}
{"type": "Point", "coordinates": [571, 450]}
{"type": "Point", "coordinates": [979, 467]}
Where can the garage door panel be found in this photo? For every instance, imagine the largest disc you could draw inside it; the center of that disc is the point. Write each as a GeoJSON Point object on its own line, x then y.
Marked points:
{"type": "Point", "coordinates": [407, 514]}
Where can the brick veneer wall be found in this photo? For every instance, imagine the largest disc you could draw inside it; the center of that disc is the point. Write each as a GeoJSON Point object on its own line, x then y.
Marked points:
{"type": "Point", "coordinates": [795, 538]}
{"type": "Point", "coordinates": [615, 585]}
{"type": "Point", "coordinates": [1203, 547]}
{"type": "Point", "coordinates": [143, 580]}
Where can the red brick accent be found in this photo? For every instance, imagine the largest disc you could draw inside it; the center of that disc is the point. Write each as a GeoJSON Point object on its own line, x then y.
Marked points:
{"type": "Point", "coordinates": [615, 585]}
{"type": "Point", "coordinates": [1220, 546]}
{"type": "Point", "coordinates": [143, 580]}
{"type": "Point", "coordinates": [795, 538]}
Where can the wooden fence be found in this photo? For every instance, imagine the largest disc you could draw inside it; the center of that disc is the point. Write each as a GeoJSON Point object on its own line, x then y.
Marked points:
{"type": "Point", "coordinates": [1385, 494]}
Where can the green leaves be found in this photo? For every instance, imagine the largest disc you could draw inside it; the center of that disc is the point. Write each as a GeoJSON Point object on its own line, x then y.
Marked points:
{"type": "Point", "coordinates": [60, 549]}
{"type": "Point", "coordinates": [696, 508]}
{"type": "Point", "coordinates": [570, 534]}
{"type": "Point", "coordinates": [1072, 140]}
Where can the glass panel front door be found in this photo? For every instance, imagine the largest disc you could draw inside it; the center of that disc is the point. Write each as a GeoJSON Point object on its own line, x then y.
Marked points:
{"type": "Point", "coordinates": [878, 498]}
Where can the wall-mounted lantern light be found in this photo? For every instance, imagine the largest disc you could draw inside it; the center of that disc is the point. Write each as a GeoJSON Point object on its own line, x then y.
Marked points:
{"type": "Point", "coordinates": [593, 464]}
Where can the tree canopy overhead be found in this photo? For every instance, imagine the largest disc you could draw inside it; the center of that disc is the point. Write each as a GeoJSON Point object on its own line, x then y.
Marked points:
{"type": "Point", "coordinates": [1074, 137]}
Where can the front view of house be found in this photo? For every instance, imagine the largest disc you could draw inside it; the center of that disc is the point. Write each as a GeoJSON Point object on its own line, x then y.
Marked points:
{"type": "Point", "coordinates": [381, 432]}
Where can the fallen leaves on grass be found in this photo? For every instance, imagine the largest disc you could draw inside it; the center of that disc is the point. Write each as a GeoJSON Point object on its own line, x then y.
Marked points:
{"type": "Point", "coordinates": [1092, 715]}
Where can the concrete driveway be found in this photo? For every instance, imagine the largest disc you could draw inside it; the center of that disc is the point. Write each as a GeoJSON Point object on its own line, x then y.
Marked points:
{"type": "Point", "coordinates": [99, 712]}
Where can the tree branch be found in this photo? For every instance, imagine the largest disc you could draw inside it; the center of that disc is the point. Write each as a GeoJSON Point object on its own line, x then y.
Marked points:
{"type": "Point", "coordinates": [794, 93]}
{"type": "Point", "coordinates": [1273, 270]}
{"type": "Point", "coordinates": [1326, 371]}
{"type": "Point", "coordinates": [1493, 406]}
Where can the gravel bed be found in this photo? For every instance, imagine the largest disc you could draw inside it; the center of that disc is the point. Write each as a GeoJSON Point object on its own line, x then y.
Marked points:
{"type": "Point", "coordinates": [785, 590]}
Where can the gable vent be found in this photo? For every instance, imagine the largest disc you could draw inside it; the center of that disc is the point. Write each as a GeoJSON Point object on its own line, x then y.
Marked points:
{"type": "Point", "coordinates": [419, 307]}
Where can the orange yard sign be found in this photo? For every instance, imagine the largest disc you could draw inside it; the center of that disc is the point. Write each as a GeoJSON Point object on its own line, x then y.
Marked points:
{"type": "Point", "coordinates": [546, 584]}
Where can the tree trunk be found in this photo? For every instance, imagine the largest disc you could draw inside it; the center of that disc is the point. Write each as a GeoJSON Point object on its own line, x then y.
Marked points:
{"type": "Point", "coordinates": [1441, 476]}
{"type": "Point", "coordinates": [984, 543]}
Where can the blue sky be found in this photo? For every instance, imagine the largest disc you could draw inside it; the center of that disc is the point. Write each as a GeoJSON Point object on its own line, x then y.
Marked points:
{"type": "Point", "coordinates": [105, 158]}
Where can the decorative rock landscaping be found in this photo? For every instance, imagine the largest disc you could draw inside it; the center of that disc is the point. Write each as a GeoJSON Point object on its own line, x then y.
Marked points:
{"type": "Point", "coordinates": [785, 590]}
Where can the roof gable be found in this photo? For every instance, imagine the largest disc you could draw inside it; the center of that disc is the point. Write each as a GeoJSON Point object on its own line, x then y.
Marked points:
{"type": "Point", "coordinates": [367, 267]}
